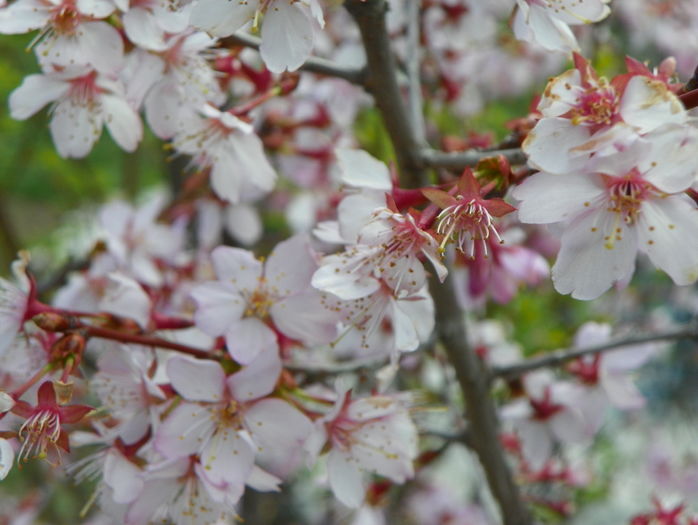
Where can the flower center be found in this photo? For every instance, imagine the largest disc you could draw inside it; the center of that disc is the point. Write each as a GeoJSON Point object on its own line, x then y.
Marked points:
{"type": "Point", "coordinates": [258, 304]}
{"type": "Point", "coordinates": [595, 107]}
{"type": "Point", "coordinates": [466, 224]}
{"type": "Point", "coordinates": [39, 433]}
{"type": "Point", "coordinates": [65, 18]}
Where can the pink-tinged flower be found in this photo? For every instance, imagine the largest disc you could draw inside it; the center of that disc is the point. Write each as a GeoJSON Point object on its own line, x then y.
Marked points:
{"type": "Point", "coordinates": [384, 322]}
{"type": "Point", "coordinates": [175, 491]}
{"type": "Point", "coordinates": [42, 434]}
{"type": "Point", "coordinates": [137, 242]}
{"type": "Point", "coordinates": [584, 114]}
{"type": "Point", "coordinates": [71, 34]}
{"type": "Point", "coordinates": [84, 101]}
{"type": "Point", "coordinates": [127, 391]}
{"type": "Point", "coordinates": [499, 270]}
{"type": "Point", "coordinates": [546, 22]}
{"type": "Point", "coordinates": [387, 252]}
{"type": "Point", "coordinates": [630, 202]}
{"type": "Point", "coordinates": [230, 421]}
{"type": "Point", "coordinates": [147, 22]}
{"type": "Point", "coordinates": [548, 414]}
{"type": "Point", "coordinates": [466, 217]}
{"type": "Point", "coordinates": [608, 377]}
{"type": "Point", "coordinates": [231, 149]}
{"type": "Point", "coordinates": [368, 435]}
{"type": "Point", "coordinates": [175, 83]}
{"type": "Point", "coordinates": [287, 30]}
{"type": "Point", "coordinates": [251, 300]}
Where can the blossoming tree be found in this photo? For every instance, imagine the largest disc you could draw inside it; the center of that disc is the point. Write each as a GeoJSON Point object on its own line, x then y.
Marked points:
{"type": "Point", "coordinates": [200, 359]}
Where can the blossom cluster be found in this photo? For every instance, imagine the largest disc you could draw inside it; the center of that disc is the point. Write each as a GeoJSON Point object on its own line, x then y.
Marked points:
{"type": "Point", "coordinates": [197, 370]}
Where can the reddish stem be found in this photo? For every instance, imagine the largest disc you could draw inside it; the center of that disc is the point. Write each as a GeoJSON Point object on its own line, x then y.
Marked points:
{"type": "Point", "coordinates": [105, 333]}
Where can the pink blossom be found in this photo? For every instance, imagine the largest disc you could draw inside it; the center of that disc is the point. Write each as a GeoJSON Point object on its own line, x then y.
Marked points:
{"type": "Point", "coordinates": [84, 101]}
{"type": "Point", "coordinates": [231, 149]}
{"type": "Point", "coordinates": [630, 202]}
{"type": "Point", "coordinates": [230, 421]}
{"type": "Point", "coordinates": [250, 300]}
{"type": "Point", "coordinates": [373, 434]}
{"type": "Point", "coordinates": [71, 34]}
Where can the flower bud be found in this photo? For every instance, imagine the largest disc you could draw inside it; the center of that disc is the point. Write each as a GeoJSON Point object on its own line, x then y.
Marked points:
{"type": "Point", "coordinates": [53, 322]}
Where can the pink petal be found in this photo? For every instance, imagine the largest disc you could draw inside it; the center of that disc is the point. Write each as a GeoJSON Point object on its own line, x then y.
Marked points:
{"type": "Point", "coordinates": [249, 337]}
{"type": "Point", "coordinates": [257, 379]}
{"type": "Point", "coordinates": [196, 379]}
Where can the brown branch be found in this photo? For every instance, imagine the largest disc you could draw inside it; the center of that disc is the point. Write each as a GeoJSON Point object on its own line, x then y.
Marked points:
{"type": "Point", "coordinates": [145, 340]}
{"type": "Point", "coordinates": [413, 63]}
{"type": "Point", "coordinates": [461, 159]}
{"type": "Point", "coordinates": [479, 406]}
{"type": "Point", "coordinates": [317, 65]}
{"type": "Point", "coordinates": [560, 357]}
{"type": "Point", "coordinates": [383, 85]}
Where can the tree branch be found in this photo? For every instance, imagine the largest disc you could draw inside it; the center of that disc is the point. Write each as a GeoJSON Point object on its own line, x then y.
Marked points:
{"type": "Point", "coordinates": [383, 85]}
{"type": "Point", "coordinates": [317, 65]}
{"type": "Point", "coordinates": [461, 159]}
{"type": "Point", "coordinates": [479, 407]}
{"type": "Point", "coordinates": [560, 357]}
{"type": "Point", "coordinates": [413, 71]}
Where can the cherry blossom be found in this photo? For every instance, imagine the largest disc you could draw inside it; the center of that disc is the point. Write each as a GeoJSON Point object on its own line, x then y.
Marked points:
{"type": "Point", "coordinates": [71, 32]}
{"type": "Point", "coordinates": [373, 434]}
{"type": "Point", "coordinates": [388, 250]}
{"type": "Point", "coordinates": [549, 414]}
{"type": "Point", "coordinates": [583, 114]}
{"type": "Point", "coordinates": [230, 148]}
{"type": "Point", "coordinates": [249, 295]}
{"type": "Point", "coordinates": [147, 22]}
{"type": "Point", "coordinates": [14, 303]}
{"type": "Point", "coordinates": [229, 421]}
{"type": "Point", "coordinates": [42, 433]}
{"type": "Point", "coordinates": [84, 101]}
{"type": "Point", "coordinates": [630, 202]}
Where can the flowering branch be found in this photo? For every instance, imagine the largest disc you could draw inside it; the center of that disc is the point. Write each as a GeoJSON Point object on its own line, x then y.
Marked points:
{"type": "Point", "coordinates": [317, 65]}
{"type": "Point", "coordinates": [462, 159]}
{"type": "Point", "coordinates": [563, 356]}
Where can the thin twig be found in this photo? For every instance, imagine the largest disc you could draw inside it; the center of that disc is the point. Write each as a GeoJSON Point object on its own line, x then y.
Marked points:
{"type": "Point", "coordinates": [560, 357]}
{"type": "Point", "coordinates": [317, 65]}
{"type": "Point", "coordinates": [413, 71]}
{"type": "Point", "coordinates": [461, 159]}
{"type": "Point", "coordinates": [383, 85]}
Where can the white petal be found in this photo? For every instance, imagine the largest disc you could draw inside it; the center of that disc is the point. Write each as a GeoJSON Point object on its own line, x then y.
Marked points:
{"type": "Point", "coordinates": [34, 93]}
{"type": "Point", "coordinates": [7, 457]}
{"type": "Point", "coordinates": [257, 379]}
{"type": "Point", "coordinates": [247, 338]}
{"type": "Point", "coordinates": [123, 122]}
{"type": "Point", "coordinates": [218, 305]}
{"type": "Point", "coordinates": [597, 250]}
{"type": "Point", "coordinates": [290, 266]}
{"type": "Point", "coordinates": [345, 479]}
{"type": "Point", "coordinates": [362, 170]}
{"type": "Point", "coordinates": [549, 145]}
{"type": "Point", "coordinates": [101, 45]}
{"type": "Point", "coordinates": [74, 129]}
{"type": "Point", "coordinates": [547, 198]}
{"type": "Point", "coordinates": [142, 29]}
{"type": "Point", "coordinates": [221, 17]}
{"type": "Point", "coordinates": [667, 234]}
{"type": "Point", "coordinates": [648, 103]}
{"type": "Point", "coordinates": [238, 267]}
{"type": "Point", "coordinates": [196, 379]}
{"type": "Point", "coordinates": [243, 223]}
{"type": "Point", "coordinates": [287, 37]}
